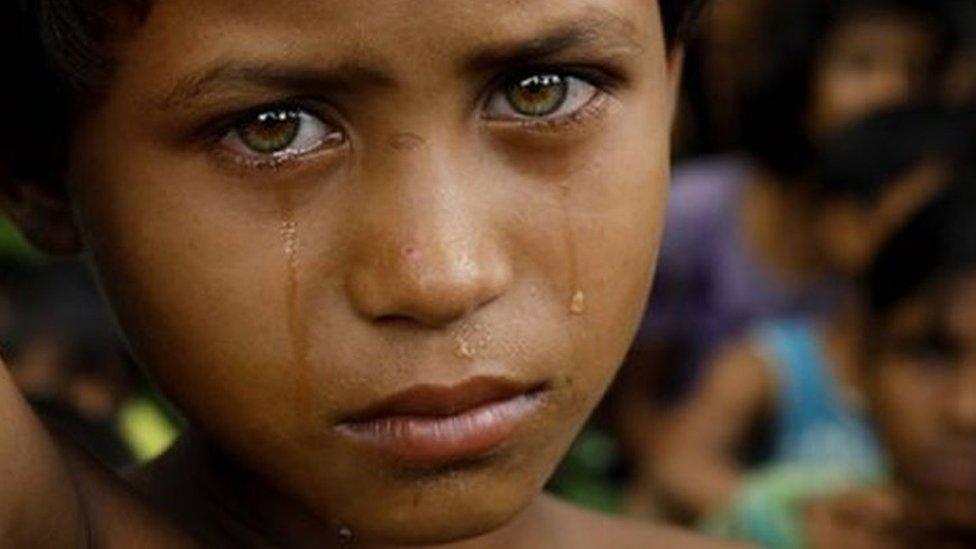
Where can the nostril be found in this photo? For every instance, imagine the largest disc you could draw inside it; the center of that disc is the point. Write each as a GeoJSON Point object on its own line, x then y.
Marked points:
{"type": "Point", "coordinates": [411, 252]}
{"type": "Point", "coordinates": [395, 321]}
{"type": "Point", "coordinates": [428, 282]}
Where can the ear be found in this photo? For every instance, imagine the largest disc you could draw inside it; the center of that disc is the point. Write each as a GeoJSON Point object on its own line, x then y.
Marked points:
{"type": "Point", "coordinates": [42, 212]}
{"type": "Point", "coordinates": [846, 236]}
{"type": "Point", "coordinates": [675, 72]}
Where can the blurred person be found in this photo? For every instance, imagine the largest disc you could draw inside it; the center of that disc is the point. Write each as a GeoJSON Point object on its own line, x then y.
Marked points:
{"type": "Point", "coordinates": [63, 353]}
{"type": "Point", "coordinates": [737, 245]}
{"type": "Point", "coordinates": [724, 58]}
{"type": "Point", "coordinates": [919, 378]}
{"type": "Point", "coordinates": [798, 374]}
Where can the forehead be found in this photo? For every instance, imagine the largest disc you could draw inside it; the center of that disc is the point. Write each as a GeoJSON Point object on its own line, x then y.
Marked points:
{"type": "Point", "coordinates": [899, 32]}
{"type": "Point", "coordinates": [392, 30]}
{"type": "Point", "coordinates": [961, 307]}
{"type": "Point", "coordinates": [184, 42]}
{"type": "Point", "coordinates": [306, 15]}
{"type": "Point", "coordinates": [950, 304]}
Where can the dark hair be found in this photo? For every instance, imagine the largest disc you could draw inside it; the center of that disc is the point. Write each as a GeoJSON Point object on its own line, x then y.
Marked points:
{"type": "Point", "coordinates": [870, 154]}
{"type": "Point", "coordinates": [937, 244]}
{"type": "Point", "coordinates": [679, 18]}
{"type": "Point", "coordinates": [58, 300]}
{"type": "Point", "coordinates": [962, 17]}
{"type": "Point", "coordinates": [59, 57]}
{"type": "Point", "coordinates": [774, 128]}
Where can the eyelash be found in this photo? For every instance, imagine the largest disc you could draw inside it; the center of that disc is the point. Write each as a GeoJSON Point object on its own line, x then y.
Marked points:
{"type": "Point", "coordinates": [603, 83]}
{"type": "Point", "coordinates": [604, 86]}
{"type": "Point", "coordinates": [219, 132]}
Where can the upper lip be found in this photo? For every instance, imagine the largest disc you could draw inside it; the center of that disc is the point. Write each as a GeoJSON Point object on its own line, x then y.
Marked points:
{"type": "Point", "coordinates": [443, 400]}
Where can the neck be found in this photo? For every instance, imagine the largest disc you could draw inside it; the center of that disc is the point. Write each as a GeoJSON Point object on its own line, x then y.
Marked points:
{"type": "Point", "coordinates": [776, 229]}
{"type": "Point", "coordinates": [842, 336]}
{"type": "Point", "coordinates": [224, 503]}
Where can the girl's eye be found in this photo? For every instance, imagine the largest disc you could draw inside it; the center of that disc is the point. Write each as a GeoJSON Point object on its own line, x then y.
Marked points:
{"type": "Point", "coordinates": [279, 134]}
{"type": "Point", "coordinates": [542, 96]}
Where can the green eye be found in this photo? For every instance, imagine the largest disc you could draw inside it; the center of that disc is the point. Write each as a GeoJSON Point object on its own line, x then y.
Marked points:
{"type": "Point", "coordinates": [280, 134]}
{"type": "Point", "coordinates": [271, 132]}
{"type": "Point", "coordinates": [538, 95]}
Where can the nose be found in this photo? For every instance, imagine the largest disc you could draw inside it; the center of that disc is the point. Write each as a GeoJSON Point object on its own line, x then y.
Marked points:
{"type": "Point", "coordinates": [962, 404]}
{"type": "Point", "coordinates": [427, 252]}
{"type": "Point", "coordinates": [891, 86]}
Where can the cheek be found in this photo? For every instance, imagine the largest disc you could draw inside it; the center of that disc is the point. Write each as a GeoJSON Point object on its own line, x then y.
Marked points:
{"type": "Point", "coordinates": [903, 401]}
{"type": "Point", "coordinates": [199, 286]}
{"type": "Point", "coordinates": [605, 217]}
{"type": "Point", "coordinates": [839, 96]}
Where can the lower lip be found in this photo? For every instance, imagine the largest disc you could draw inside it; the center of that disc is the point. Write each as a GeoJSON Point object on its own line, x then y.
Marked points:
{"type": "Point", "coordinates": [953, 474]}
{"type": "Point", "coordinates": [439, 440]}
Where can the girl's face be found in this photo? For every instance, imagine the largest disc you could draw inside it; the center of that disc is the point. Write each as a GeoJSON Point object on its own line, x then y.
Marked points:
{"type": "Point", "coordinates": [387, 255]}
{"type": "Point", "coordinates": [923, 389]}
{"type": "Point", "coordinates": [867, 63]}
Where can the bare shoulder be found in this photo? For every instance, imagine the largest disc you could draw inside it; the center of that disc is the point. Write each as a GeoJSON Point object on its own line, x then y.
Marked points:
{"type": "Point", "coordinates": [740, 372]}
{"type": "Point", "coordinates": [590, 529]}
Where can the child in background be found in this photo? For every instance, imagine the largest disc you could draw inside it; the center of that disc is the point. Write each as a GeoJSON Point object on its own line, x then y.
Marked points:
{"type": "Point", "coordinates": [63, 353]}
{"type": "Point", "coordinates": [919, 377]}
{"type": "Point", "coordinates": [737, 246]}
{"type": "Point", "coordinates": [798, 374]}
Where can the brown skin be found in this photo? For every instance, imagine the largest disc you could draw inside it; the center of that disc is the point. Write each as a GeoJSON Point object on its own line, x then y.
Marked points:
{"type": "Point", "coordinates": [699, 469]}
{"type": "Point", "coordinates": [868, 518]}
{"type": "Point", "coordinates": [427, 237]}
{"type": "Point", "coordinates": [924, 398]}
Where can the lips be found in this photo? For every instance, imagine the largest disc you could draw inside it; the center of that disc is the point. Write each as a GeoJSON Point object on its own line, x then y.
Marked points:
{"type": "Point", "coordinates": [430, 425]}
{"type": "Point", "coordinates": [952, 471]}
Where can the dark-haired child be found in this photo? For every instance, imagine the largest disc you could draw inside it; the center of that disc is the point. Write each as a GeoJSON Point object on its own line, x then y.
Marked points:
{"type": "Point", "coordinates": [737, 245]}
{"type": "Point", "coordinates": [919, 377]}
{"type": "Point", "coordinates": [385, 256]}
{"type": "Point", "coordinates": [798, 374]}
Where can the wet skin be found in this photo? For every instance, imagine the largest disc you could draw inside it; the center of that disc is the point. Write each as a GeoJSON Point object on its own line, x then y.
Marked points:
{"type": "Point", "coordinates": [301, 210]}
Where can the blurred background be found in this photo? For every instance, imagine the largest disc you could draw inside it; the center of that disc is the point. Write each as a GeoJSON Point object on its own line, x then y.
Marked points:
{"type": "Point", "coordinates": [816, 141]}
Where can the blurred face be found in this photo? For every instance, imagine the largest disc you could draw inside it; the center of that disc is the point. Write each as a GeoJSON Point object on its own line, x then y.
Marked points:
{"type": "Point", "coordinates": [867, 63]}
{"type": "Point", "coordinates": [387, 255]}
{"type": "Point", "coordinates": [923, 390]}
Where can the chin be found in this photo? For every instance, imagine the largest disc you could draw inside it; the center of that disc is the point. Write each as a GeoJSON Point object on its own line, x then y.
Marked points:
{"type": "Point", "coordinates": [442, 510]}
{"type": "Point", "coordinates": [958, 514]}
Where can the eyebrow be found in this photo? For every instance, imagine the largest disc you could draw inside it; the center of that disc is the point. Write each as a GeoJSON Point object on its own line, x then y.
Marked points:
{"type": "Point", "coordinates": [271, 75]}
{"type": "Point", "coordinates": [597, 28]}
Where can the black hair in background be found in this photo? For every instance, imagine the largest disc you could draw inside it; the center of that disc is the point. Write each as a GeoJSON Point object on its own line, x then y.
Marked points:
{"type": "Point", "coordinates": [773, 125]}
{"type": "Point", "coordinates": [873, 153]}
{"type": "Point", "coordinates": [938, 243]}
